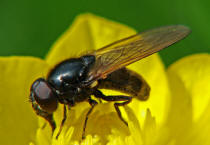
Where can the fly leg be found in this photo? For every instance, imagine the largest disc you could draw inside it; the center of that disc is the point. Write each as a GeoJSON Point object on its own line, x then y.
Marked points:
{"type": "Point", "coordinates": [63, 121]}
{"type": "Point", "coordinates": [93, 103]}
{"type": "Point", "coordinates": [126, 100]}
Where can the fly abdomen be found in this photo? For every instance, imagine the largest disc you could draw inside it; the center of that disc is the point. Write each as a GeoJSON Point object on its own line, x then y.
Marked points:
{"type": "Point", "coordinates": [126, 81]}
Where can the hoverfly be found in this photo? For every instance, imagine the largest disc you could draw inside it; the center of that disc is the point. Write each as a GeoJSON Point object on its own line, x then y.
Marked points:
{"type": "Point", "coordinates": [76, 79]}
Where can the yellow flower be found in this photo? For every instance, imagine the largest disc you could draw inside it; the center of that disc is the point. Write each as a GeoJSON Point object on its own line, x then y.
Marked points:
{"type": "Point", "coordinates": [177, 112]}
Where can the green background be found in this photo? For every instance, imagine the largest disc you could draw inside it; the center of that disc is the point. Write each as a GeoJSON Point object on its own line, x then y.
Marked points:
{"type": "Point", "coordinates": [29, 27]}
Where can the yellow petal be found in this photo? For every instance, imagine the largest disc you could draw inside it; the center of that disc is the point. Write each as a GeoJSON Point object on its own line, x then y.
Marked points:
{"type": "Point", "coordinates": [192, 99]}
{"type": "Point", "coordinates": [18, 122]}
{"type": "Point", "coordinates": [43, 138]}
{"type": "Point", "coordinates": [199, 132]}
{"type": "Point", "coordinates": [87, 33]}
{"type": "Point", "coordinates": [104, 31]}
{"type": "Point", "coordinates": [31, 143]}
{"type": "Point", "coordinates": [77, 39]}
{"type": "Point", "coordinates": [149, 129]}
{"type": "Point", "coordinates": [194, 72]}
{"type": "Point", "coordinates": [134, 127]}
{"type": "Point", "coordinates": [180, 111]}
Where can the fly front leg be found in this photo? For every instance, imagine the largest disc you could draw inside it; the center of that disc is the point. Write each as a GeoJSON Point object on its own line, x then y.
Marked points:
{"type": "Point", "coordinates": [126, 100]}
{"type": "Point", "coordinates": [93, 103]}
{"type": "Point", "coordinates": [62, 122]}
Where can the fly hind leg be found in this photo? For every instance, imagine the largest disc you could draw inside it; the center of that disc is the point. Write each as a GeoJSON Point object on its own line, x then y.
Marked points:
{"type": "Point", "coordinates": [126, 100]}
{"type": "Point", "coordinates": [116, 105]}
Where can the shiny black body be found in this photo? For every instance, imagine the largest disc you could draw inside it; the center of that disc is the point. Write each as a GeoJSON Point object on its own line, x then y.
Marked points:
{"type": "Point", "coordinates": [68, 79]}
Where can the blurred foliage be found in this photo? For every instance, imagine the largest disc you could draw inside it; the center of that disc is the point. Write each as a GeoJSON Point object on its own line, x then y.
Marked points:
{"type": "Point", "coordinates": [29, 27]}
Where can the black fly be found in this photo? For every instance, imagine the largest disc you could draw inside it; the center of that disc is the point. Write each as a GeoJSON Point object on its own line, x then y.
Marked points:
{"type": "Point", "coordinates": [76, 79]}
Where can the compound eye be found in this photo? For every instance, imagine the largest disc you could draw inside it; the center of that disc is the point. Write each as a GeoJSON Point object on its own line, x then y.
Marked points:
{"type": "Point", "coordinates": [44, 95]}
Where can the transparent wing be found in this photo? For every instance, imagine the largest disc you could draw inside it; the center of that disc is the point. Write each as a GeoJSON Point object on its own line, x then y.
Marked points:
{"type": "Point", "coordinates": [129, 50]}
